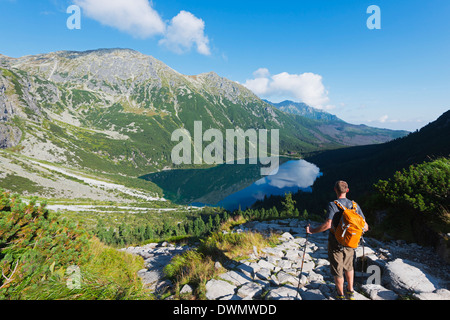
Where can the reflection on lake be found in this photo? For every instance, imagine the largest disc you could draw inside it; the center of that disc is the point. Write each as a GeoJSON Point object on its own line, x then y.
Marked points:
{"type": "Point", "coordinates": [291, 177]}
{"type": "Point", "coordinates": [231, 186]}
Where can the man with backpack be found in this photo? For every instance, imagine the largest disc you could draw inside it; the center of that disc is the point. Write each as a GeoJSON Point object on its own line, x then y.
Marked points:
{"type": "Point", "coordinates": [346, 223]}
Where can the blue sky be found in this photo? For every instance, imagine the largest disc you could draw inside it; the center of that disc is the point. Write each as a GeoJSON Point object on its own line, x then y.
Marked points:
{"type": "Point", "coordinates": [318, 51]}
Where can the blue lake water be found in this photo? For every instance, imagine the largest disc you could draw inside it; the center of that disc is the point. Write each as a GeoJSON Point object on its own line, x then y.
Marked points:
{"type": "Point", "coordinates": [292, 176]}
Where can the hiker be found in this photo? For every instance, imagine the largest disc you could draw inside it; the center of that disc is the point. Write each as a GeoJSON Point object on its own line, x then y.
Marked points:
{"type": "Point", "coordinates": [340, 256]}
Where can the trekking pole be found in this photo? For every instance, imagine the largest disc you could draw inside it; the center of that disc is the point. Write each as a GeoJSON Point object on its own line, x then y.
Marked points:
{"type": "Point", "coordinates": [303, 260]}
{"type": "Point", "coordinates": [362, 261]}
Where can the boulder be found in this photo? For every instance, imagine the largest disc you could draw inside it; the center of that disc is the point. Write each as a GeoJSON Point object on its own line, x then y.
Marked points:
{"type": "Point", "coordinates": [286, 278]}
{"type": "Point", "coordinates": [284, 293]}
{"type": "Point", "coordinates": [284, 264]}
{"type": "Point", "coordinates": [264, 274]}
{"type": "Point", "coordinates": [312, 294]}
{"type": "Point", "coordinates": [440, 294]}
{"type": "Point", "coordinates": [266, 265]}
{"type": "Point", "coordinates": [187, 289]}
{"type": "Point", "coordinates": [286, 236]}
{"type": "Point", "coordinates": [236, 277]}
{"type": "Point", "coordinates": [274, 251]}
{"type": "Point", "coordinates": [249, 268]}
{"type": "Point", "coordinates": [404, 277]}
{"type": "Point", "coordinates": [377, 292]}
{"type": "Point", "coordinates": [250, 290]}
{"type": "Point", "coordinates": [219, 289]}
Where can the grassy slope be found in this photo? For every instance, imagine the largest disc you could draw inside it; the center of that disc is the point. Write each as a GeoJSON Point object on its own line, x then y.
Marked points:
{"type": "Point", "coordinates": [37, 248]}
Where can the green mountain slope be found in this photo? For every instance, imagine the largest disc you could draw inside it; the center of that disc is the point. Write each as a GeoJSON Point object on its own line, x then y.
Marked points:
{"type": "Point", "coordinates": [302, 109]}
{"type": "Point", "coordinates": [112, 111]}
{"type": "Point", "coordinates": [345, 133]}
{"type": "Point", "coordinates": [363, 166]}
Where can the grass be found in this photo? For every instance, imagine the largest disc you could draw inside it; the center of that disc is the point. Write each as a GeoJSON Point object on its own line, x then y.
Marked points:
{"type": "Point", "coordinates": [38, 248]}
{"type": "Point", "coordinates": [118, 270]}
{"type": "Point", "coordinates": [19, 184]}
{"type": "Point", "coordinates": [233, 246]}
{"type": "Point", "coordinates": [109, 275]}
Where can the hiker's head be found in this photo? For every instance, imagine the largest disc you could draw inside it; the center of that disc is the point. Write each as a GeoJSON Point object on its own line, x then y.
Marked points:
{"type": "Point", "coordinates": [341, 187]}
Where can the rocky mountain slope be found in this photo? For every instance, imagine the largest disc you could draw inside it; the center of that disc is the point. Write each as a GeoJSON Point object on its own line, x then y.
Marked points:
{"type": "Point", "coordinates": [115, 110]}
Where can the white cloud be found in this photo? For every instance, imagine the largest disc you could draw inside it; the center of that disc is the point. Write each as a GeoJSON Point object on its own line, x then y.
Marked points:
{"type": "Point", "coordinates": [383, 119]}
{"type": "Point", "coordinates": [260, 86]}
{"type": "Point", "coordinates": [387, 119]}
{"type": "Point", "coordinates": [301, 174]}
{"type": "Point", "coordinates": [184, 31]}
{"type": "Point", "coordinates": [261, 73]}
{"type": "Point", "coordinates": [139, 19]}
{"type": "Point", "coordinates": [135, 17]}
{"type": "Point", "coordinates": [306, 87]}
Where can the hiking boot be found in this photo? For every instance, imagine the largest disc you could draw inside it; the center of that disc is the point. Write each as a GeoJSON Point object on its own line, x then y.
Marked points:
{"type": "Point", "coordinates": [339, 296]}
{"type": "Point", "coordinates": [350, 295]}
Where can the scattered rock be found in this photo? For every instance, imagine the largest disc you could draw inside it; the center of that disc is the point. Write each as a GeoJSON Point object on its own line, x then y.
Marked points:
{"type": "Point", "coordinates": [284, 293]}
{"type": "Point", "coordinates": [266, 265]}
{"type": "Point", "coordinates": [402, 276]}
{"type": "Point", "coordinates": [236, 277]}
{"type": "Point", "coordinates": [286, 236]}
{"type": "Point", "coordinates": [377, 292]}
{"type": "Point", "coordinates": [264, 274]}
{"type": "Point", "coordinates": [250, 290]}
{"type": "Point", "coordinates": [440, 294]}
{"type": "Point", "coordinates": [273, 273]}
{"type": "Point", "coordinates": [313, 294]}
{"type": "Point", "coordinates": [286, 278]}
{"type": "Point", "coordinates": [219, 290]}
{"type": "Point", "coordinates": [187, 289]}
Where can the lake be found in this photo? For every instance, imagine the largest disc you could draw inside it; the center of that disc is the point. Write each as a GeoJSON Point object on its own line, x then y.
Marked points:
{"type": "Point", "coordinates": [231, 186]}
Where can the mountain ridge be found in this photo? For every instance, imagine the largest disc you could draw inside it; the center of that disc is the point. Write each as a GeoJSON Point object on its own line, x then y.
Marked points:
{"type": "Point", "coordinates": [302, 109]}
{"type": "Point", "coordinates": [114, 110]}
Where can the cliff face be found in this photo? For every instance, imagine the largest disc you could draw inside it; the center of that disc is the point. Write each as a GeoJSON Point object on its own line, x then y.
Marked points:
{"type": "Point", "coordinates": [10, 136]}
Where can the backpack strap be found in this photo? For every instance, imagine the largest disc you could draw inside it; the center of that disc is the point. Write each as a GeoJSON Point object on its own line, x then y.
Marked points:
{"type": "Point", "coordinates": [339, 205]}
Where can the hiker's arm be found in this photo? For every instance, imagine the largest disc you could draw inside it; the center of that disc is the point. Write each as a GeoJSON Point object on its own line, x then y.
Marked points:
{"type": "Point", "coordinates": [323, 227]}
{"type": "Point", "coordinates": [366, 227]}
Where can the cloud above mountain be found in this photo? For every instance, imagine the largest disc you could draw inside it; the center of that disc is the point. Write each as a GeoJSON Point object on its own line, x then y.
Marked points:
{"type": "Point", "coordinates": [184, 31]}
{"type": "Point", "coordinates": [307, 87]}
{"type": "Point", "coordinates": [139, 19]}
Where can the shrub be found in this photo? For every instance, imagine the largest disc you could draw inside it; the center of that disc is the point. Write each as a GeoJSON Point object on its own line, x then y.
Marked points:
{"type": "Point", "coordinates": [34, 243]}
{"type": "Point", "coordinates": [37, 247]}
{"type": "Point", "coordinates": [424, 188]}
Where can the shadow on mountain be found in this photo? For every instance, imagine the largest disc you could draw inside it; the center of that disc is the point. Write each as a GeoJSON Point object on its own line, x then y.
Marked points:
{"type": "Point", "coordinates": [363, 166]}
{"type": "Point", "coordinates": [186, 186]}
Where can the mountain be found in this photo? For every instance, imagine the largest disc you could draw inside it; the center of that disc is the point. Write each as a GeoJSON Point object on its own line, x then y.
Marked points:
{"type": "Point", "coordinates": [346, 133]}
{"type": "Point", "coordinates": [113, 111]}
{"type": "Point", "coordinates": [367, 164]}
{"type": "Point", "coordinates": [362, 166]}
{"type": "Point", "coordinates": [302, 109]}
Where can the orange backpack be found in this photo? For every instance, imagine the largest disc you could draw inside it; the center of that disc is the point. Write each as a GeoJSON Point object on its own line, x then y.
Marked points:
{"type": "Point", "coordinates": [350, 227]}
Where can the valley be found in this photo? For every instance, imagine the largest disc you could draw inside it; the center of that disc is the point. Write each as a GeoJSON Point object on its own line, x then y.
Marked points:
{"type": "Point", "coordinates": [89, 136]}
{"type": "Point", "coordinates": [81, 128]}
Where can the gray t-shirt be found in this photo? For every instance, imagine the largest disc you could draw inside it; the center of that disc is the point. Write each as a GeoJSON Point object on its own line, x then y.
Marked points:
{"type": "Point", "coordinates": [335, 214]}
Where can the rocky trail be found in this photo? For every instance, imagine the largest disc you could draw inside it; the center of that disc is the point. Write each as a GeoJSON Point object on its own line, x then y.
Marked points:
{"type": "Point", "coordinates": [394, 270]}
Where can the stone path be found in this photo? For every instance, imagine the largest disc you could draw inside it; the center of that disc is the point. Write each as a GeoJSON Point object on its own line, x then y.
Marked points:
{"type": "Point", "coordinates": [395, 269]}
{"type": "Point", "coordinates": [156, 257]}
